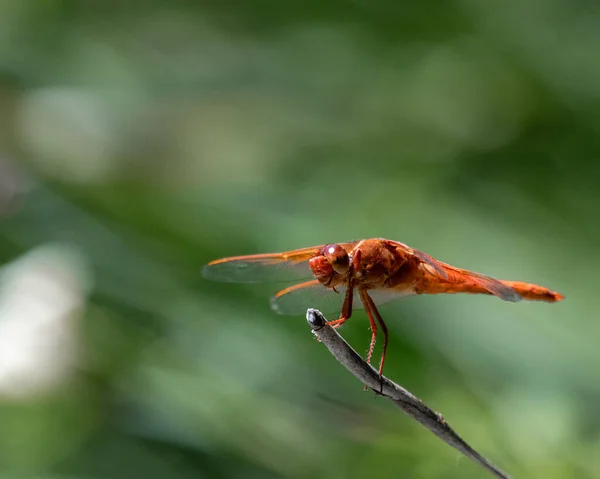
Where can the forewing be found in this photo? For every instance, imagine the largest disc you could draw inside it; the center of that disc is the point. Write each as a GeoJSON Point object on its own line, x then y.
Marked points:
{"type": "Point", "coordinates": [262, 268]}
{"type": "Point", "coordinates": [265, 268]}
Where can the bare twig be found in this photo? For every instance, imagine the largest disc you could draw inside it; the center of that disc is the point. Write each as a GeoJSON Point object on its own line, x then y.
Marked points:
{"type": "Point", "coordinates": [410, 404]}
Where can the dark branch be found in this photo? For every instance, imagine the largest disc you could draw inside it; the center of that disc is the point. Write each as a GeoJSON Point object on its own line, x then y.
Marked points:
{"type": "Point", "coordinates": [410, 404]}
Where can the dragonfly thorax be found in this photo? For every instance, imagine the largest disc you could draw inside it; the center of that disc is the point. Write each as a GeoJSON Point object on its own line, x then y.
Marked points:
{"type": "Point", "coordinates": [373, 263]}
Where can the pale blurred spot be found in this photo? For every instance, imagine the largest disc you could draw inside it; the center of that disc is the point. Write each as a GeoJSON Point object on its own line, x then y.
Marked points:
{"type": "Point", "coordinates": [229, 141]}
{"type": "Point", "coordinates": [42, 295]}
{"type": "Point", "coordinates": [67, 134]}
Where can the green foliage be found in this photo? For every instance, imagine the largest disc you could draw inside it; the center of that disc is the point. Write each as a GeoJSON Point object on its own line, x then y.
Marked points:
{"type": "Point", "coordinates": [140, 142]}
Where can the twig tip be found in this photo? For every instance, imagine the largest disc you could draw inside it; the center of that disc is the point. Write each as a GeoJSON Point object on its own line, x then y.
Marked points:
{"type": "Point", "coordinates": [315, 318]}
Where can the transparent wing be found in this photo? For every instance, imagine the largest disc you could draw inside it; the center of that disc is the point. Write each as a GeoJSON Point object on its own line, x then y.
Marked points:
{"type": "Point", "coordinates": [440, 270]}
{"type": "Point", "coordinates": [433, 265]}
{"type": "Point", "coordinates": [296, 299]}
{"type": "Point", "coordinates": [492, 285]}
{"type": "Point", "coordinates": [261, 268]}
{"type": "Point", "coordinates": [265, 268]}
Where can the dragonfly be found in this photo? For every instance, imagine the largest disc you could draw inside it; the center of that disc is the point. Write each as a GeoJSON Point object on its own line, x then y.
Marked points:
{"type": "Point", "coordinates": [343, 277]}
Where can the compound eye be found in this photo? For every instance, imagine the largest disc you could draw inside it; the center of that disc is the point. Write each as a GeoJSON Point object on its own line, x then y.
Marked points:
{"type": "Point", "coordinates": [337, 258]}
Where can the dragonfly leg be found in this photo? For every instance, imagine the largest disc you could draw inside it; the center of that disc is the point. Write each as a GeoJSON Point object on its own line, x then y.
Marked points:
{"type": "Point", "coordinates": [383, 328]}
{"type": "Point", "coordinates": [346, 309]}
{"type": "Point", "coordinates": [366, 300]}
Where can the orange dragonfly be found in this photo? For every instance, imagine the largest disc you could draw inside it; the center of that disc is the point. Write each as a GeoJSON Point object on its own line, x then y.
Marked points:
{"type": "Point", "coordinates": [379, 270]}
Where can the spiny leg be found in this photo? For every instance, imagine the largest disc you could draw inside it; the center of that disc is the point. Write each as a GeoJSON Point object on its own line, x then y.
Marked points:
{"type": "Point", "coordinates": [346, 308]}
{"type": "Point", "coordinates": [383, 328]}
{"type": "Point", "coordinates": [366, 300]}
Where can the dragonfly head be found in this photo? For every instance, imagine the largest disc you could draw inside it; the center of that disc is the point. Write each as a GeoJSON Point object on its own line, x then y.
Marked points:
{"type": "Point", "coordinates": [330, 265]}
{"type": "Point", "coordinates": [337, 257]}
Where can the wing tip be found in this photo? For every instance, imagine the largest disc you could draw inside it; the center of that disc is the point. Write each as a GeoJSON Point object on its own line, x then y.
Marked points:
{"type": "Point", "coordinates": [273, 303]}
{"type": "Point", "coordinates": [208, 271]}
{"type": "Point", "coordinates": [205, 270]}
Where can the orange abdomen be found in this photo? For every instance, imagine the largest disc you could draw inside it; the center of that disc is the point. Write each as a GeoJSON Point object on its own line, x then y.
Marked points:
{"type": "Point", "coordinates": [462, 282]}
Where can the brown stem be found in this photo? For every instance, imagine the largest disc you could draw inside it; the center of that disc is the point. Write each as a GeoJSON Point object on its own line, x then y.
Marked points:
{"type": "Point", "coordinates": [407, 402]}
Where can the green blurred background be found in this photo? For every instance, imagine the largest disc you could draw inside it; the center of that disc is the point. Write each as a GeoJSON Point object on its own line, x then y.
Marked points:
{"type": "Point", "coordinates": [140, 140]}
